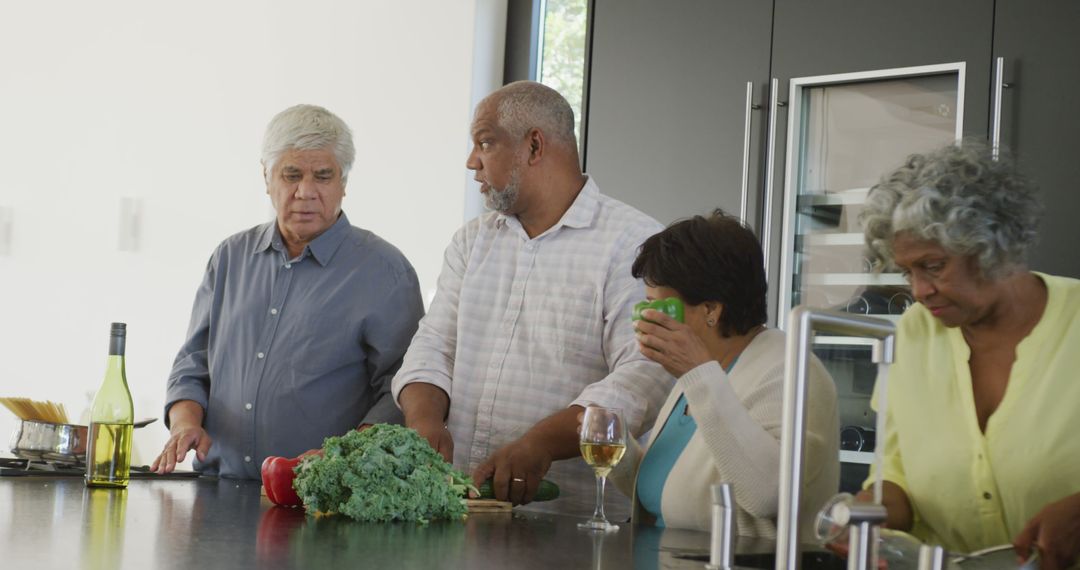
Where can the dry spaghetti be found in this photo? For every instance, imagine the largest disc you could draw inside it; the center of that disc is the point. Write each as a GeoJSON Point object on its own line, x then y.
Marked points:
{"type": "Point", "coordinates": [28, 409]}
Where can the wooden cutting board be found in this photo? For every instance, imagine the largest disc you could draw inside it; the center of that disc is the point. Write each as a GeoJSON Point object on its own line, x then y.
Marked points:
{"type": "Point", "coordinates": [478, 506]}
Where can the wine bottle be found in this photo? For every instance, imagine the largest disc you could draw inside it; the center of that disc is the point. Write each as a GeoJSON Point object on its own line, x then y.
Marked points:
{"type": "Point", "coordinates": [108, 450]}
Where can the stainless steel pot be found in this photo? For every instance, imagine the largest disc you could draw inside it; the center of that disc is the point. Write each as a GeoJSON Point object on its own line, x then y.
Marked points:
{"type": "Point", "coordinates": [48, 441]}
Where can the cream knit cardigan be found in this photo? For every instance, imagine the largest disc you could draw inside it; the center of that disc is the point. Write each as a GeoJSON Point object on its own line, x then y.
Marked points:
{"type": "Point", "coordinates": [737, 441]}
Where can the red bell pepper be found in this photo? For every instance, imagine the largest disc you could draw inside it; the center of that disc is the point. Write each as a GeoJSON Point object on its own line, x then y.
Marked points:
{"type": "Point", "coordinates": [277, 479]}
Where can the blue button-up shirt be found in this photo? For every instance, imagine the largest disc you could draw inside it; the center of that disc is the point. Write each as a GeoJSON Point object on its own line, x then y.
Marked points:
{"type": "Point", "coordinates": [282, 353]}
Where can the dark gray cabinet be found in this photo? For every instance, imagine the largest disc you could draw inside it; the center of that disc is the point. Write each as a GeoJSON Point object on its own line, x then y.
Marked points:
{"type": "Point", "coordinates": [1040, 120]}
{"type": "Point", "coordinates": [667, 103]}
{"type": "Point", "coordinates": [665, 129]}
{"type": "Point", "coordinates": [667, 95]}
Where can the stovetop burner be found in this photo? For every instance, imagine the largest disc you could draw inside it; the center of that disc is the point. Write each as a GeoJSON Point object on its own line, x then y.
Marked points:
{"type": "Point", "coordinates": [15, 467]}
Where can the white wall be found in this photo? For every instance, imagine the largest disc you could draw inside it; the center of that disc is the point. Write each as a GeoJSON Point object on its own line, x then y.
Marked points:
{"type": "Point", "coordinates": [166, 104]}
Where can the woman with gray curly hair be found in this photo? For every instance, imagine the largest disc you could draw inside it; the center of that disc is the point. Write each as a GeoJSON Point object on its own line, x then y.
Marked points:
{"type": "Point", "coordinates": [980, 445]}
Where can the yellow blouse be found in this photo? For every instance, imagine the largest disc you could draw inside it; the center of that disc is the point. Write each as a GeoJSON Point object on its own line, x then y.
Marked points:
{"type": "Point", "coordinates": [972, 490]}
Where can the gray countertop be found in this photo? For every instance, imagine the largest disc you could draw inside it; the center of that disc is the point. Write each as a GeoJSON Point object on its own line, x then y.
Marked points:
{"type": "Point", "coordinates": [199, 524]}
{"type": "Point", "coordinates": [211, 523]}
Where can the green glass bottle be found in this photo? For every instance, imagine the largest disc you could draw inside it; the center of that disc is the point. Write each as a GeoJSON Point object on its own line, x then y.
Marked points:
{"type": "Point", "coordinates": [108, 449]}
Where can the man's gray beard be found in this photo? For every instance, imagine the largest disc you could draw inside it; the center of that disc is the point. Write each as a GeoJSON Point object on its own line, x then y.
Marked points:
{"type": "Point", "coordinates": [502, 201]}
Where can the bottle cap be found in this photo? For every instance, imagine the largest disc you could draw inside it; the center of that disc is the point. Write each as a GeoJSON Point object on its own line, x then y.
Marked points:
{"type": "Point", "coordinates": [119, 329]}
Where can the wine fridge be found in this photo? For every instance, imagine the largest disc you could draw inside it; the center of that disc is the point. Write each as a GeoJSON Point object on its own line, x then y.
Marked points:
{"type": "Point", "coordinates": [844, 131]}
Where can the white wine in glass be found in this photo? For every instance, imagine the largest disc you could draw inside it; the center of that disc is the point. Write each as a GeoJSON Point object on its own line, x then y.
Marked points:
{"type": "Point", "coordinates": [602, 457]}
{"type": "Point", "coordinates": [603, 443]}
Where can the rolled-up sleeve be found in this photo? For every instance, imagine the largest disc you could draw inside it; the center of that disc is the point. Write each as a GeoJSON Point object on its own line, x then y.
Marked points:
{"type": "Point", "coordinates": [430, 358]}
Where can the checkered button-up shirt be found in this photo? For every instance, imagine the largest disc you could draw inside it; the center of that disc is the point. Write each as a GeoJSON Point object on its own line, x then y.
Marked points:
{"type": "Point", "coordinates": [522, 328]}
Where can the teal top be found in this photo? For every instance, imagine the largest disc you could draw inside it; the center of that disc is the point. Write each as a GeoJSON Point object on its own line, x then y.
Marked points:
{"type": "Point", "coordinates": [662, 455]}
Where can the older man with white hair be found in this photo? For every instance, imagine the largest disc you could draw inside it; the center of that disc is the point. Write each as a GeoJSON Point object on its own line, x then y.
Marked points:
{"type": "Point", "coordinates": [299, 323]}
{"type": "Point", "coordinates": [531, 319]}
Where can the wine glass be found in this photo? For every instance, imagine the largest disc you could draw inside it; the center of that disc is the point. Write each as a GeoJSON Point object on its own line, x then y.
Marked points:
{"type": "Point", "coordinates": [899, 550]}
{"type": "Point", "coordinates": [826, 526]}
{"type": "Point", "coordinates": [603, 443]}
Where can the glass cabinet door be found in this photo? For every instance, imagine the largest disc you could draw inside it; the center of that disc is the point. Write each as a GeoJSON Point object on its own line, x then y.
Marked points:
{"type": "Point", "coordinates": [845, 131]}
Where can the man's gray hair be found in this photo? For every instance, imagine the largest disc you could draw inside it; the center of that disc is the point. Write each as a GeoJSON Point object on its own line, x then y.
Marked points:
{"type": "Point", "coordinates": [308, 127]}
{"type": "Point", "coordinates": [961, 198]}
{"type": "Point", "coordinates": [525, 105]}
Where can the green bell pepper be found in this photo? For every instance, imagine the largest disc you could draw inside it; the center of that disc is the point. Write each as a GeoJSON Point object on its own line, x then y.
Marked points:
{"type": "Point", "coordinates": [672, 307]}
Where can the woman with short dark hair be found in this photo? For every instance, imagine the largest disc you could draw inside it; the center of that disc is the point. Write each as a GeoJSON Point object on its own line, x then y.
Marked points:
{"type": "Point", "coordinates": [981, 443]}
{"type": "Point", "coordinates": [722, 421]}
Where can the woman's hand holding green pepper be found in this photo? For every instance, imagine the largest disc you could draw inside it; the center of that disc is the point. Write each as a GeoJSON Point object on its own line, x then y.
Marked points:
{"type": "Point", "coordinates": [670, 343]}
{"type": "Point", "coordinates": [672, 307]}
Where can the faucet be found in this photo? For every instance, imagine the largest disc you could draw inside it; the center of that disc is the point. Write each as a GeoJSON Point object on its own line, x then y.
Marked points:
{"type": "Point", "coordinates": [722, 547]}
{"type": "Point", "coordinates": [804, 322]}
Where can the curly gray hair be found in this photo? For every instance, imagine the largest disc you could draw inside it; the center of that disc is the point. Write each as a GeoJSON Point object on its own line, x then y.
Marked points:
{"type": "Point", "coordinates": [961, 198]}
{"type": "Point", "coordinates": [308, 127]}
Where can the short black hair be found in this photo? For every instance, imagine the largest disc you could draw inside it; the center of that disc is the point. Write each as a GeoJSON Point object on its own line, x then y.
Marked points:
{"type": "Point", "coordinates": [714, 258]}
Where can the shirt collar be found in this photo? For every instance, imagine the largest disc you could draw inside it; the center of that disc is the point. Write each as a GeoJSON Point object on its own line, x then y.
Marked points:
{"type": "Point", "coordinates": [267, 235]}
{"type": "Point", "coordinates": [580, 214]}
{"type": "Point", "coordinates": [322, 248]}
{"type": "Point", "coordinates": [583, 210]}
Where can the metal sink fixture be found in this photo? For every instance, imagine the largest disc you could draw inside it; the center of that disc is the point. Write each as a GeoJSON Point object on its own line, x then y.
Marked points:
{"type": "Point", "coordinates": [803, 323]}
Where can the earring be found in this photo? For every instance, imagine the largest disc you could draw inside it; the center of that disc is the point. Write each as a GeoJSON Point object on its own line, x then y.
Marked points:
{"type": "Point", "coordinates": [710, 322]}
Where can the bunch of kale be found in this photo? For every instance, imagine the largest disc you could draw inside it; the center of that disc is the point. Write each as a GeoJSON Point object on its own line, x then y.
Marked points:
{"type": "Point", "coordinates": [384, 473]}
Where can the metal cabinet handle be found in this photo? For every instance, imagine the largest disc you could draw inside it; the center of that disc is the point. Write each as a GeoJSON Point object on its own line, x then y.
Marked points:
{"type": "Point", "coordinates": [995, 125]}
{"type": "Point", "coordinates": [770, 162]}
{"type": "Point", "coordinates": [746, 151]}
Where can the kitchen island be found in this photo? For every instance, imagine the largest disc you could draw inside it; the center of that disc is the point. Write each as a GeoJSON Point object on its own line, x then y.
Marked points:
{"type": "Point", "coordinates": [206, 523]}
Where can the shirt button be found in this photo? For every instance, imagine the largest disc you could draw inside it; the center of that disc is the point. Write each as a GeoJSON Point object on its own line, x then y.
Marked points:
{"type": "Point", "coordinates": [273, 311]}
{"type": "Point", "coordinates": [987, 496]}
{"type": "Point", "coordinates": [247, 458]}
{"type": "Point", "coordinates": [288, 266]}
{"type": "Point", "coordinates": [260, 355]}
{"type": "Point", "coordinates": [247, 406]}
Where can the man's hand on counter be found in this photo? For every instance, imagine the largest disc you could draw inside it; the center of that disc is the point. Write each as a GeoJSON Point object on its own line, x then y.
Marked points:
{"type": "Point", "coordinates": [185, 434]}
{"type": "Point", "coordinates": [1056, 533]}
{"type": "Point", "coordinates": [515, 470]}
